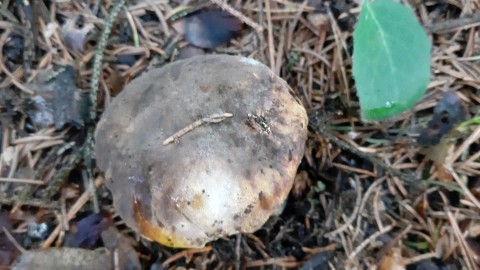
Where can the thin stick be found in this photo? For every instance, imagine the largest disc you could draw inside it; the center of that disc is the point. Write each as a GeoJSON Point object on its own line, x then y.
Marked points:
{"type": "Point", "coordinates": [13, 240]}
{"type": "Point", "coordinates": [418, 258]}
{"type": "Point", "coordinates": [464, 188]}
{"type": "Point", "coordinates": [364, 203]}
{"type": "Point", "coordinates": [271, 46]}
{"type": "Point", "coordinates": [22, 181]}
{"type": "Point", "coordinates": [460, 150]}
{"type": "Point", "coordinates": [238, 15]}
{"type": "Point", "coordinates": [376, 212]}
{"type": "Point", "coordinates": [368, 241]}
{"type": "Point", "coordinates": [354, 214]}
{"type": "Point", "coordinates": [161, 18]}
{"type": "Point", "coordinates": [214, 118]}
{"type": "Point", "coordinates": [458, 235]}
{"type": "Point", "coordinates": [185, 254]}
{"type": "Point", "coordinates": [453, 25]}
{"type": "Point", "coordinates": [129, 16]}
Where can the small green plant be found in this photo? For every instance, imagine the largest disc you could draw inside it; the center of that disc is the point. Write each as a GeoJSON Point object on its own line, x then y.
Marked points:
{"type": "Point", "coordinates": [391, 59]}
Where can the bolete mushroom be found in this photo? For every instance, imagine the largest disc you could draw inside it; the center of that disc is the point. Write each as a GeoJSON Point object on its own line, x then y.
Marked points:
{"type": "Point", "coordinates": [201, 148]}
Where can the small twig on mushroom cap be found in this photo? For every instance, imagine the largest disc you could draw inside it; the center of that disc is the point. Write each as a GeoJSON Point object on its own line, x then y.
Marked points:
{"type": "Point", "coordinates": [213, 118]}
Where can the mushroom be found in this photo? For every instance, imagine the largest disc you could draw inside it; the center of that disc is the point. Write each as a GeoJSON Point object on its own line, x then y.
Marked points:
{"type": "Point", "coordinates": [201, 148]}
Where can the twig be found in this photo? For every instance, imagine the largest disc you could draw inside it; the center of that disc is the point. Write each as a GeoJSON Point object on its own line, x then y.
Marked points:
{"type": "Point", "coordinates": [453, 25]}
{"type": "Point", "coordinates": [287, 262]}
{"type": "Point", "coordinates": [238, 15]}
{"type": "Point", "coordinates": [161, 17]}
{"type": "Point", "coordinates": [214, 118]}
{"type": "Point", "coordinates": [22, 181]}
{"type": "Point", "coordinates": [345, 146]}
{"type": "Point", "coordinates": [364, 203]}
{"type": "Point", "coordinates": [354, 214]}
{"type": "Point", "coordinates": [4, 200]}
{"type": "Point", "coordinates": [340, 44]}
{"type": "Point", "coordinates": [238, 251]}
{"type": "Point", "coordinates": [431, 255]}
{"type": "Point", "coordinates": [464, 188]}
{"type": "Point", "coordinates": [12, 240]}
{"type": "Point", "coordinates": [462, 148]}
{"type": "Point", "coordinates": [376, 212]}
{"type": "Point", "coordinates": [129, 16]}
{"type": "Point", "coordinates": [368, 241]}
{"type": "Point", "coordinates": [185, 253]}
{"type": "Point", "coordinates": [458, 235]}
{"type": "Point", "coordinates": [271, 46]}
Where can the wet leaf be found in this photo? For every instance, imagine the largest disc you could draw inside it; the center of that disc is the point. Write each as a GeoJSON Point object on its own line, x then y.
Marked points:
{"type": "Point", "coordinates": [448, 113]}
{"type": "Point", "coordinates": [58, 101]}
{"type": "Point", "coordinates": [88, 230]}
{"type": "Point", "coordinates": [391, 59]}
{"type": "Point", "coordinates": [208, 28]}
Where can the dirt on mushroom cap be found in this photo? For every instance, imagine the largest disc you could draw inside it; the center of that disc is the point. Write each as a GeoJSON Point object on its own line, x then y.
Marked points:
{"type": "Point", "coordinates": [217, 179]}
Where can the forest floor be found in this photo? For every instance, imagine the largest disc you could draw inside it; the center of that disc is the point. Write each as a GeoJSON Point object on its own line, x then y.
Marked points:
{"type": "Point", "coordinates": [397, 194]}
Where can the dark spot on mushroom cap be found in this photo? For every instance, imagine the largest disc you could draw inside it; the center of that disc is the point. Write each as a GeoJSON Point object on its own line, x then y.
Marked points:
{"type": "Point", "coordinates": [248, 210]}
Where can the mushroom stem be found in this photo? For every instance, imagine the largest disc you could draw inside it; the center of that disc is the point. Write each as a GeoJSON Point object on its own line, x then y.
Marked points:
{"type": "Point", "coordinates": [213, 118]}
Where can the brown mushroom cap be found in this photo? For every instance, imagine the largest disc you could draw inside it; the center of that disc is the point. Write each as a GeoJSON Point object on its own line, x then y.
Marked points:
{"type": "Point", "coordinates": [217, 179]}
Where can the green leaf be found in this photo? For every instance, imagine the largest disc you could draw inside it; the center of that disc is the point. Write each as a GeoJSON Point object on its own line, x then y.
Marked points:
{"type": "Point", "coordinates": [418, 245]}
{"type": "Point", "coordinates": [391, 59]}
{"type": "Point", "coordinates": [474, 121]}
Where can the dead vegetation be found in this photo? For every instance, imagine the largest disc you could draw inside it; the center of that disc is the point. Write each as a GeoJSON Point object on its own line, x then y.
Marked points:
{"type": "Point", "coordinates": [366, 195]}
